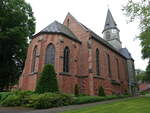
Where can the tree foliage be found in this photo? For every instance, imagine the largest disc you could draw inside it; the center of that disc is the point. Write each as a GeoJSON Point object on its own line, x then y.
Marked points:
{"type": "Point", "coordinates": [16, 24]}
{"type": "Point", "coordinates": [140, 75]}
{"type": "Point", "coordinates": [47, 81]}
{"type": "Point", "coordinates": [140, 10]}
{"type": "Point", "coordinates": [147, 77]}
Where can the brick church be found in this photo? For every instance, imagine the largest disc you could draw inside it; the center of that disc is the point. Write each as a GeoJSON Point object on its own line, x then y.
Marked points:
{"type": "Point", "coordinates": [80, 57]}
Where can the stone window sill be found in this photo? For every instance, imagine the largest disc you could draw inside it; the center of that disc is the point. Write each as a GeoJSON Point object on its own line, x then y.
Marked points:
{"type": "Point", "coordinates": [82, 76]}
{"type": "Point", "coordinates": [33, 73]}
{"type": "Point", "coordinates": [65, 73]}
{"type": "Point", "coordinates": [98, 76]}
{"type": "Point", "coordinates": [114, 82]}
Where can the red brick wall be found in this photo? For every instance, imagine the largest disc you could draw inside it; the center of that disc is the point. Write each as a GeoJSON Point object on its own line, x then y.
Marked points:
{"type": "Point", "coordinates": [66, 83]}
{"type": "Point", "coordinates": [103, 51]}
{"type": "Point", "coordinates": [82, 63]}
{"type": "Point", "coordinates": [83, 36]}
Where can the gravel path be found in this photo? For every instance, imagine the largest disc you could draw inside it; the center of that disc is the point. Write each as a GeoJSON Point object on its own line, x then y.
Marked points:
{"type": "Point", "coordinates": [53, 110]}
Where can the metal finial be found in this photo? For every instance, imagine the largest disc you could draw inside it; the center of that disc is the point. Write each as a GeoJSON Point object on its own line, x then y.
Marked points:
{"type": "Point", "coordinates": [107, 1]}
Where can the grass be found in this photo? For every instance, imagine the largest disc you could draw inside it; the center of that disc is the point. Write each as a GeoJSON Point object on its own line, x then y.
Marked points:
{"type": "Point", "coordinates": [136, 105]}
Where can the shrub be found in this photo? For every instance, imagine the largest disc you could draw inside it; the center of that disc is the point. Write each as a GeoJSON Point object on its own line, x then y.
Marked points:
{"type": "Point", "coordinates": [16, 98]}
{"type": "Point", "coordinates": [47, 81]}
{"type": "Point", "coordinates": [23, 93]}
{"type": "Point", "coordinates": [144, 93]}
{"type": "Point", "coordinates": [76, 90]}
{"type": "Point", "coordinates": [101, 91]}
{"type": "Point", "coordinates": [87, 99]}
{"type": "Point", "coordinates": [12, 100]}
{"type": "Point", "coordinates": [39, 101]}
{"type": "Point", "coordinates": [4, 95]}
{"type": "Point", "coordinates": [48, 100]}
{"type": "Point", "coordinates": [90, 99]}
{"type": "Point", "coordinates": [82, 94]}
{"type": "Point", "coordinates": [109, 97]}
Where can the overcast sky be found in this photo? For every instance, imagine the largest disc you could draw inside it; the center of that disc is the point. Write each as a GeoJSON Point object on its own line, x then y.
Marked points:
{"type": "Point", "coordinates": [91, 13]}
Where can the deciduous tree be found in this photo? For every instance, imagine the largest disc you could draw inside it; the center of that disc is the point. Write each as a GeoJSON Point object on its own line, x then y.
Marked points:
{"type": "Point", "coordinates": [140, 10]}
{"type": "Point", "coordinates": [16, 24]}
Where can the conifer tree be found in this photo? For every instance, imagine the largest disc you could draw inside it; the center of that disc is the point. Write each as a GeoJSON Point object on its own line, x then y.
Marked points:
{"type": "Point", "coordinates": [47, 82]}
{"type": "Point", "coordinates": [101, 91]}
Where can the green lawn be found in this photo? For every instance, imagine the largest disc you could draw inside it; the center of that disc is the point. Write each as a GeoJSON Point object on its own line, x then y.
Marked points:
{"type": "Point", "coordinates": [136, 105]}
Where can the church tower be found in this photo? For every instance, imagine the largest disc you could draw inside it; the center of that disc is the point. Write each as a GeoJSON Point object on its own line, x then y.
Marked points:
{"type": "Point", "coordinates": [111, 32]}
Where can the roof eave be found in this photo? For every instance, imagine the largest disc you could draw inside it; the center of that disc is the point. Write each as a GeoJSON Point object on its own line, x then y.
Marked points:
{"type": "Point", "coordinates": [76, 40]}
{"type": "Point", "coordinates": [110, 28]}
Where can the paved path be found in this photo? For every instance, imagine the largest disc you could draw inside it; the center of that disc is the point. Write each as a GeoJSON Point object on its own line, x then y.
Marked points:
{"type": "Point", "coordinates": [54, 110]}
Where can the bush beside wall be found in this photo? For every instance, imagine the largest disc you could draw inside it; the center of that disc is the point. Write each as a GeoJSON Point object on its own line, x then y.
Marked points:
{"type": "Point", "coordinates": [47, 82]}
{"type": "Point", "coordinates": [101, 91]}
{"type": "Point", "coordinates": [48, 100]}
{"type": "Point", "coordinates": [76, 90]}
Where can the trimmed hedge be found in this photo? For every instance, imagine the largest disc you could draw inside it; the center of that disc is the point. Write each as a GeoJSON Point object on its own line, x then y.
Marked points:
{"type": "Point", "coordinates": [90, 99]}
{"type": "Point", "coordinates": [87, 99]}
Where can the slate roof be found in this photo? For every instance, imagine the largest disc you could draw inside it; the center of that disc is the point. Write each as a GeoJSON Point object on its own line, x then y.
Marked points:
{"type": "Point", "coordinates": [110, 22]}
{"type": "Point", "coordinates": [126, 53]}
{"type": "Point", "coordinates": [58, 28]}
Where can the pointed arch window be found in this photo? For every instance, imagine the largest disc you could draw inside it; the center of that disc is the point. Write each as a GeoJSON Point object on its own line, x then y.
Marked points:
{"type": "Point", "coordinates": [107, 35]}
{"type": "Point", "coordinates": [97, 62]}
{"type": "Point", "coordinates": [118, 72]}
{"type": "Point", "coordinates": [50, 54]}
{"type": "Point", "coordinates": [34, 59]}
{"type": "Point", "coordinates": [109, 65]}
{"type": "Point", "coordinates": [66, 60]}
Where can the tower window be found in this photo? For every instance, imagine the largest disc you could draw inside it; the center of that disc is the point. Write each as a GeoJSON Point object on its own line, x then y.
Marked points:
{"type": "Point", "coordinates": [107, 35]}
{"type": "Point", "coordinates": [66, 60]}
{"type": "Point", "coordinates": [114, 31]}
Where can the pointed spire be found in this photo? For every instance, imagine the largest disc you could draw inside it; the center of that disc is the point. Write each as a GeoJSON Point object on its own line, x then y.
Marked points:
{"type": "Point", "coordinates": [110, 23]}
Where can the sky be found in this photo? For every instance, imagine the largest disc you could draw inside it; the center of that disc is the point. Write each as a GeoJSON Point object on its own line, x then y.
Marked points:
{"type": "Point", "coordinates": [91, 13]}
